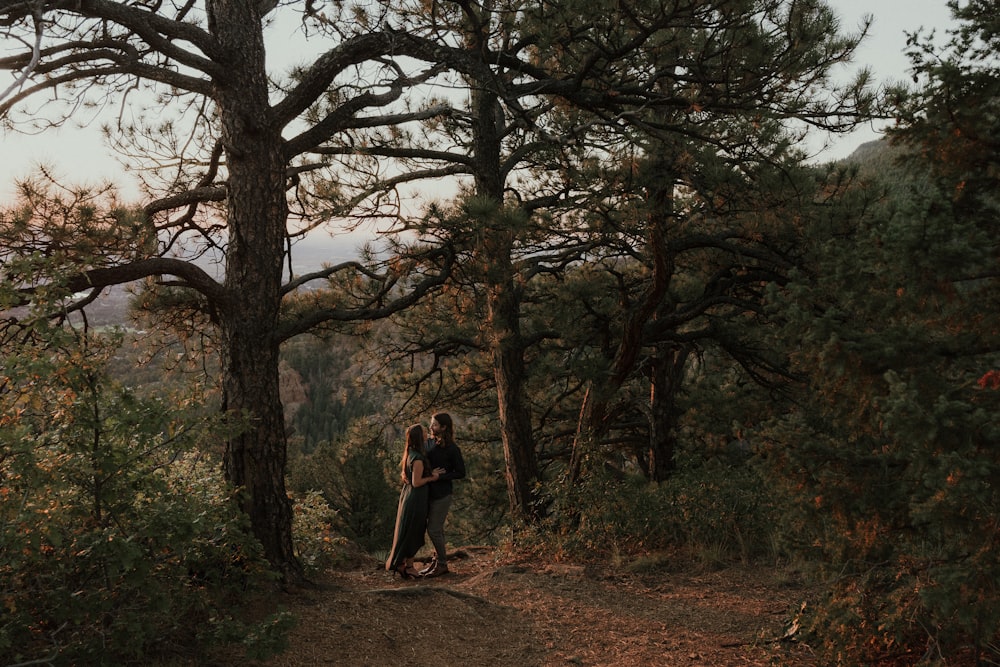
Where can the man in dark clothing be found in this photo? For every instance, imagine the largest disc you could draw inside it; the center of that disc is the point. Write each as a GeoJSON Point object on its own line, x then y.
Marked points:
{"type": "Point", "coordinates": [442, 452]}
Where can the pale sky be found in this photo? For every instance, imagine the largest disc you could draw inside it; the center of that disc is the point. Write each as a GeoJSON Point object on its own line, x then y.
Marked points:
{"type": "Point", "coordinates": [883, 49]}
{"type": "Point", "coordinates": [74, 151]}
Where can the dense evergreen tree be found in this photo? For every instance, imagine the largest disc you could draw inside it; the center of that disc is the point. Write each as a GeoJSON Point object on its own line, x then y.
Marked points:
{"type": "Point", "coordinates": [572, 102]}
{"type": "Point", "coordinates": [891, 461]}
{"type": "Point", "coordinates": [647, 181]}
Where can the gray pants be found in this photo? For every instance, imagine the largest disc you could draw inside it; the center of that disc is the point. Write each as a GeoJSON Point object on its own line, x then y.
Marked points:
{"type": "Point", "coordinates": [436, 514]}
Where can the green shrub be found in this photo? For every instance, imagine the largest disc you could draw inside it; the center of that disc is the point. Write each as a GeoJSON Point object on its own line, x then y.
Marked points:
{"type": "Point", "coordinates": [352, 474]}
{"type": "Point", "coordinates": [117, 542]}
{"type": "Point", "coordinates": [480, 506]}
{"type": "Point", "coordinates": [900, 520]}
{"type": "Point", "coordinates": [712, 509]}
{"type": "Point", "coordinates": [316, 545]}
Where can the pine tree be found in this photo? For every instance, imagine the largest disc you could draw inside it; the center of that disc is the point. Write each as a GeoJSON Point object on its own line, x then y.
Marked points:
{"type": "Point", "coordinates": [891, 465]}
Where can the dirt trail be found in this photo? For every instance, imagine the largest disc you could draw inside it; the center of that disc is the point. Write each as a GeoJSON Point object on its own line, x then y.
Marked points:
{"type": "Point", "coordinates": [528, 614]}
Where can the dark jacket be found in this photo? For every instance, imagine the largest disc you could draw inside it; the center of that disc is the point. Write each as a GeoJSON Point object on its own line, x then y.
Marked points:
{"type": "Point", "coordinates": [449, 458]}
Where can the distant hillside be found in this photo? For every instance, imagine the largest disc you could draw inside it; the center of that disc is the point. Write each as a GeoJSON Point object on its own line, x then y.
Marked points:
{"type": "Point", "coordinates": [868, 150]}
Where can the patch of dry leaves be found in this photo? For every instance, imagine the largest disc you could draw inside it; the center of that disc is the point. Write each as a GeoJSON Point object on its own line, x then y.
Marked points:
{"type": "Point", "coordinates": [492, 611]}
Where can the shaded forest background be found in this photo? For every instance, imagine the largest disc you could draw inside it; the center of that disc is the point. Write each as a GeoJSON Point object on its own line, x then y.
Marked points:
{"type": "Point", "coordinates": [662, 331]}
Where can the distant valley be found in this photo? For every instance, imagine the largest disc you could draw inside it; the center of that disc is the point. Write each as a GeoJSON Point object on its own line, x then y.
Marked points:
{"type": "Point", "coordinates": [308, 255]}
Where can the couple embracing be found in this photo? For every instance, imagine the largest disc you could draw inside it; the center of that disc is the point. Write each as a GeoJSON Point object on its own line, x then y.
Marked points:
{"type": "Point", "coordinates": [428, 467]}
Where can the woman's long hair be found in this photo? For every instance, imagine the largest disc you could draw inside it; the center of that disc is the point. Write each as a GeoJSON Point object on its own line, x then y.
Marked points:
{"type": "Point", "coordinates": [448, 432]}
{"type": "Point", "coordinates": [415, 442]}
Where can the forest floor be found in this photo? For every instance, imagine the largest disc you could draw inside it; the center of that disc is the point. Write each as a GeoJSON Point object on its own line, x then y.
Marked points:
{"type": "Point", "coordinates": [493, 609]}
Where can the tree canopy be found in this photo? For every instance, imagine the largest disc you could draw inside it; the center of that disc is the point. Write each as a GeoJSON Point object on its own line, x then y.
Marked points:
{"type": "Point", "coordinates": [632, 282]}
{"type": "Point", "coordinates": [247, 157]}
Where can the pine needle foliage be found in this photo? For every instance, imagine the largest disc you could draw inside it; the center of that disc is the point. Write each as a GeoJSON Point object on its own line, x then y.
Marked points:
{"type": "Point", "coordinates": [889, 467]}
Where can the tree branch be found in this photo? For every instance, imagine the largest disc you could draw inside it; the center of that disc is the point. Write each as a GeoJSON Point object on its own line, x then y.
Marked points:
{"type": "Point", "coordinates": [193, 276]}
{"type": "Point", "coordinates": [375, 307]}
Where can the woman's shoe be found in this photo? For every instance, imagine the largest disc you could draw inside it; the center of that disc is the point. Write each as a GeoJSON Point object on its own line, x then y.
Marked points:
{"type": "Point", "coordinates": [405, 572]}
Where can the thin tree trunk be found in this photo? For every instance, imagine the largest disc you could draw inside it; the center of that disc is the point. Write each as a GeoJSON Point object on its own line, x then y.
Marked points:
{"type": "Point", "coordinates": [594, 413]}
{"type": "Point", "coordinates": [589, 429]}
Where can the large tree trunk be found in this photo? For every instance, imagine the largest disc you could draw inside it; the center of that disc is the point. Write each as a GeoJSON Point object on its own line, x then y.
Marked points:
{"type": "Point", "coordinates": [507, 350]}
{"type": "Point", "coordinates": [503, 326]}
{"type": "Point", "coordinates": [255, 458]}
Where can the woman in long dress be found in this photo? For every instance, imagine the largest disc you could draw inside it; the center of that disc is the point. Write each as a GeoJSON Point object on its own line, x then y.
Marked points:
{"type": "Point", "coordinates": [411, 515]}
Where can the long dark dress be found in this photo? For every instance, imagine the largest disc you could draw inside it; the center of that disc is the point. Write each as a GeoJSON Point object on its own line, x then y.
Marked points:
{"type": "Point", "coordinates": [411, 518]}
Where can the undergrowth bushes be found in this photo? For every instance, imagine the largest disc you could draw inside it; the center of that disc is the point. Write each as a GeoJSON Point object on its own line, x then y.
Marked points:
{"type": "Point", "coordinates": [714, 511]}
{"type": "Point", "coordinates": [160, 574]}
{"type": "Point", "coordinates": [349, 474]}
{"type": "Point", "coordinates": [317, 546]}
{"type": "Point", "coordinates": [117, 543]}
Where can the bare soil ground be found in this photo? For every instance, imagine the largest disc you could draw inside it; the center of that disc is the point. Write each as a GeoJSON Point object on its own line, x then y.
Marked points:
{"type": "Point", "coordinates": [496, 610]}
